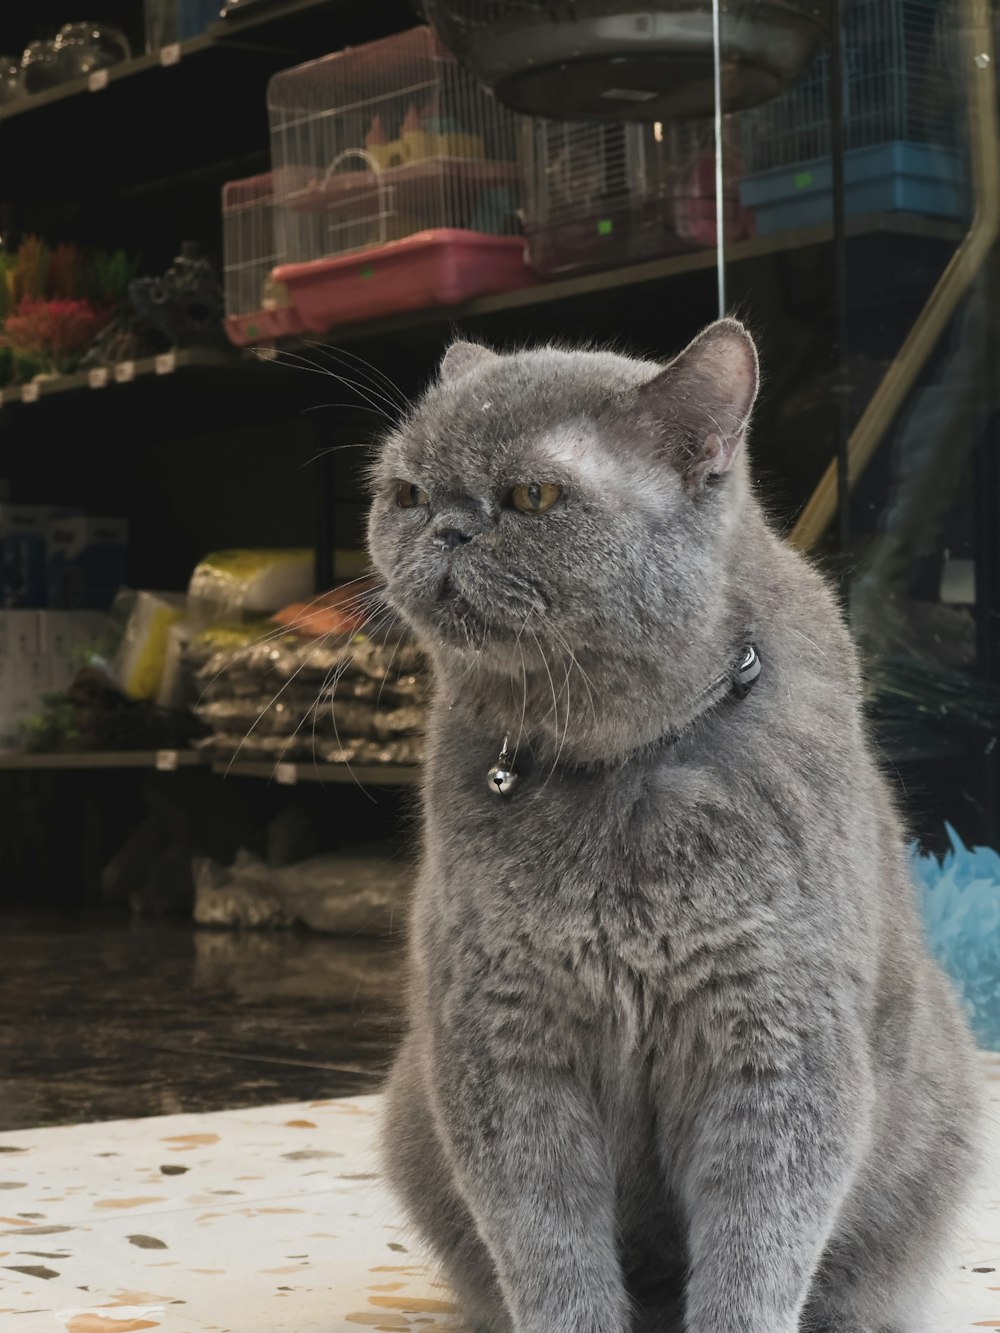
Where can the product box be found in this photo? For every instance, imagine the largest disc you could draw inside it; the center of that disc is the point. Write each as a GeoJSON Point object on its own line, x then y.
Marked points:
{"type": "Point", "coordinates": [23, 535]}
{"type": "Point", "coordinates": [142, 653]}
{"type": "Point", "coordinates": [86, 560]}
{"type": "Point", "coordinates": [64, 638]}
{"type": "Point", "coordinates": [32, 680]}
{"type": "Point", "coordinates": [9, 726]}
{"type": "Point", "coordinates": [24, 674]}
{"type": "Point", "coordinates": [19, 633]}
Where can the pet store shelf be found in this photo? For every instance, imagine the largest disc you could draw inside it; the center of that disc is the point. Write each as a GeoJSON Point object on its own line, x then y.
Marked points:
{"type": "Point", "coordinates": [163, 760]}
{"type": "Point", "coordinates": [651, 272]}
{"type": "Point", "coordinates": [267, 26]}
{"type": "Point", "coordinates": [167, 761]}
{"type": "Point", "coordinates": [165, 113]}
{"type": "Point", "coordinates": [149, 369]}
{"type": "Point", "coordinates": [365, 775]}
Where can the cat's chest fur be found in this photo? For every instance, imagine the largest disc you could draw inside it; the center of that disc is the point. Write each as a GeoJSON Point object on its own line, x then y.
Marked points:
{"type": "Point", "coordinates": [609, 894]}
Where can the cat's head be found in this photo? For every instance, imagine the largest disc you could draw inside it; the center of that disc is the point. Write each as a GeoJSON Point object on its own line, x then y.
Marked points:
{"type": "Point", "coordinates": [578, 502]}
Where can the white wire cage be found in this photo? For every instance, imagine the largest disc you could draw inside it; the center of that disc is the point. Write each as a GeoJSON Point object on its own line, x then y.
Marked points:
{"type": "Point", "coordinates": [383, 141]}
{"type": "Point", "coordinates": [257, 308]}
{"type": "Point", "coordinates": [597, 195]}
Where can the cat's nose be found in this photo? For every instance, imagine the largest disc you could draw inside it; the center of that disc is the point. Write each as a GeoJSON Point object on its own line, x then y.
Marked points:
{"type": "Point", "coordinates": [449, 538]}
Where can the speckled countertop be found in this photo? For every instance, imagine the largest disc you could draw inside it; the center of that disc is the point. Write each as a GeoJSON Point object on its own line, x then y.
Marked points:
{"type": "Point", "coordinates": [269, 1219]}
{"type": "Point", "coordinates": [273, 1220]}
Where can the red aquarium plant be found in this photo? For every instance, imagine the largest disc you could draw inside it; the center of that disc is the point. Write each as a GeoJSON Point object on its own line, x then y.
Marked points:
{"type": "Point", "coordinates": [54, 333]}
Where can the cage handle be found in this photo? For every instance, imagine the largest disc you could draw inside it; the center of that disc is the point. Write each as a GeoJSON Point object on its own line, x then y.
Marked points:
{"type": "Point", "coordinates": [384, 190]}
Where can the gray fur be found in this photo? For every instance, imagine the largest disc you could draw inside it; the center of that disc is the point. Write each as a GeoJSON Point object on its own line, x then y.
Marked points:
{"type": "Point", "coordinates": [676, 1055]}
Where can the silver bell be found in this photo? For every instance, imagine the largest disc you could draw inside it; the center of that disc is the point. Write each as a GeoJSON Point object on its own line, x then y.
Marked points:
{"type": "Point", "coordinates": [502, 780]}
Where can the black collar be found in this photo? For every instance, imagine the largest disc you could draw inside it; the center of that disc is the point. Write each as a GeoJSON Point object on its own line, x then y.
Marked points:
{"type": "Point", "coordinates": [736, 683]}
{"type": "Point", "coordinates": [741, 677]}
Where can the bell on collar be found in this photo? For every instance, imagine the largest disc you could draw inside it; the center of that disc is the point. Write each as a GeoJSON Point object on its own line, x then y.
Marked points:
{"type": "Point", "coordinates": [747, 672]}
{"type": "Point", "coordinates": [502, 780]}
{"type": "Point", "coordinates": [501, 777]}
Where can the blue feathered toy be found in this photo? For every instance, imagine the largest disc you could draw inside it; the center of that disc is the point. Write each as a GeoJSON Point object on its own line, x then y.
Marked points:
{"type": "Point", "coordinates": [959, 899]}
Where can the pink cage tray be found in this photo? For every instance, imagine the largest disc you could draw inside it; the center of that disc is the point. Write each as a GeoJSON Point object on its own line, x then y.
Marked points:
{"type": "Point", "coordinates": [264, 326]}
{"type": "Point", "coordinates": [443, 267]}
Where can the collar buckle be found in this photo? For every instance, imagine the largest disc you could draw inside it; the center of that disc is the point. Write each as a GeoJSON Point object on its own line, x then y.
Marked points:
{"type": "Point", "coordinates": [746, 672]}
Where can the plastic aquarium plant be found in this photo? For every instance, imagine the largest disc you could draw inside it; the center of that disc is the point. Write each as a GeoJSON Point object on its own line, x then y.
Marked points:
{"type": "Point", "coordinates": [959, 898]}
{"type": "Point", "coordinates": [53, 334]}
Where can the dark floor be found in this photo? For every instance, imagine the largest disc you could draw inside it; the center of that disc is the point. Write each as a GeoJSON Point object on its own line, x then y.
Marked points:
{"type": "Point", "coordinates": [103, 1020]}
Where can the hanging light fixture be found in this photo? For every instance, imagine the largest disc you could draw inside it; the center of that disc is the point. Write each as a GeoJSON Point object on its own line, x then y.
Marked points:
{"type": "Point", "coordinates": [621, 60]}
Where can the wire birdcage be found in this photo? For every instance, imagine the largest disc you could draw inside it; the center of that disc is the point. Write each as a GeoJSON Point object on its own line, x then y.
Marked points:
{"type": "Point", "coordinates": [597, 195]}
{"type": "Point", "coordinates": [379, 144]}
{"type": "Point", "coordinates": [902, 136]}
{"type": "Point", "coordinates": [899, 80]}
{"type": "Point", "coordinates": [257, 308]}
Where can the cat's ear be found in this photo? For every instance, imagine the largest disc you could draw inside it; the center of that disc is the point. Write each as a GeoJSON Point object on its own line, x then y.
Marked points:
{"type": "Point", "coordinates": [460, 358]}
{"type": "Point", "coordinates": [702, 400]}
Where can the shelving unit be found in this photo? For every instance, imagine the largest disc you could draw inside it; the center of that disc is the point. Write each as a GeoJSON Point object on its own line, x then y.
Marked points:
{"type": "Point", "coordinates": [72, 761]}
{"type": "Point", "coordinates": [267, 28]}
{"type": "Point", "coordinates": [632, 279]}
{"type": "Point", "coordinates": [289, 775]}
{"type": "Point", "coordinates": [125, 372]}
{"type": "Point", "coordinates": [209, 447]}
{"type": "Point", "coordinates": [164, 114]}
{"type": "Point", "coordinates": [168, 761]}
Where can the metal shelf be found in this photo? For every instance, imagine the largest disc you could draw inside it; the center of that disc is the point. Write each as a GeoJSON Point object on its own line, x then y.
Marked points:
{"type": "Point", "coordinates": [164, 115]}
{"type": "Point", "coordinates": [365, 775]}
{"type": "Point", "coordinates": [125, 372]}
{"type": "Point", "coordinates": [239, 30]}
{"type": "Point", "coordinates": [164, 760]}
{"type": "Point", "coordinates": [627, 279]}
{"type": "Point", "coordinates": [632, 276]}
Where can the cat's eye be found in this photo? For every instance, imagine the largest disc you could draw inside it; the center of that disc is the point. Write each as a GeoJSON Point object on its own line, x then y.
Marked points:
{"type": "Point", "coordinates": [409, 496]}
{"type": "Point", "coordinates": [534, 497]}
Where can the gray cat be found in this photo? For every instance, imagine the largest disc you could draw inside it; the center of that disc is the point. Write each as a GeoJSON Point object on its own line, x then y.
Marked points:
{"type": "Point", "coordinates": [676, 1056]}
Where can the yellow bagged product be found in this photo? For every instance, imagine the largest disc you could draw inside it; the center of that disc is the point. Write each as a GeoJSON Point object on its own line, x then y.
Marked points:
{"type": "Point", "coordinates": [142, 653]}
{"type": "Point", "coordinates": [232, 583]}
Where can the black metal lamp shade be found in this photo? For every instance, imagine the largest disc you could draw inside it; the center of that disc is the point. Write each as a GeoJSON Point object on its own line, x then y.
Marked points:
{"type": "Point", "coordinates": [612, 60]}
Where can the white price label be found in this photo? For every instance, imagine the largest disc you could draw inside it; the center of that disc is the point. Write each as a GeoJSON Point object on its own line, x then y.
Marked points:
{"type": "Point", "coordinates": [124, 372]}
{"type": "Point", "coordinates": [97, 80]}
{"type": "Point", "coordinates": [170, 55]}
{"type": "Point", "coordinates": [29, 393]}
{"type": "Point", "coordinates": [286, 774]}
{"type": "Point", "coordinates": [166, 363]}
{"type": "Point", "coordinates": [166, 761]}
{"type": "Point", "coordinates": [98, 377]}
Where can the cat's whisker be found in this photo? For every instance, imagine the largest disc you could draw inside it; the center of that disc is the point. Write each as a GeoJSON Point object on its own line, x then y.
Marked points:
{"type": "Point", "coordinates": [335, 448]}
{"type": "Point", "coordinates": [371, 392]}
{"type": "Point", "coordinates": [263, 712]}
{"type": "Point", "coordinates": [353, 407]}
{"type": "Point", "coordinates": [280, 630]}
{"type": "Point", "coordinates": [310, 712]}
{"type": "Point", "coordinates": [377, 378]}
{"type": "Point", "coordinates": [296, 362]}
{"type": "Point", "coordinates": [524, 685]}
{"type": "Point", "coordinates": [333, 678]}
{"type": "Point", "coordinates": [559, 750]}
{"type": "Point", "coordinates": [552, 685]}
{"type": "Point", "coordinates": [368, 368]}
{"type": "Point", "coordinates": [576, 663]}
{"type": "Point", "coordinates": [388, 668]}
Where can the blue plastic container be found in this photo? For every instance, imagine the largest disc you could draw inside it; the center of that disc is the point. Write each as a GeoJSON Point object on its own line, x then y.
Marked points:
{"type": "Point", "coordinates": [895, 177]}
